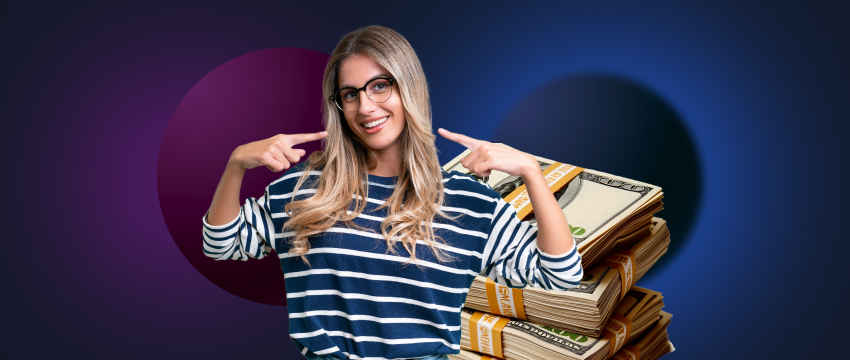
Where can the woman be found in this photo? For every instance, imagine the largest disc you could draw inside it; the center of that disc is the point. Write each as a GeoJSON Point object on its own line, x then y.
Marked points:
{"type": "Point", "coordinates": [336, 220]}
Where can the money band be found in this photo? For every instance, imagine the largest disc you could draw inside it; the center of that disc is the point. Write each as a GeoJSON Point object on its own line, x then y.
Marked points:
{"type": "Point", "coordinates": [505, 301]}
{"type": "Point", "coordinates": [485, 333]}
{"type": "Point", "coordinates": [617, 331]}
{"type": "Point", "coordinates": [628, 352]}
{"type": "Point", "coordinates": [557, 176]}
{"type": "Point", "coordinates": [624, 262]}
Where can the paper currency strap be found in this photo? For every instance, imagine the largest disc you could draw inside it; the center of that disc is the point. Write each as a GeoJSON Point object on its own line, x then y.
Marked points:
{"type": "Point", "coordinates": [628, 352]}
{"type": "Point", "coordinates": [624, 262]}
{"type": "Point", "coordinates": [485, 333]}
{"type": "Point", "coordinates": [505, 301]}
{"type": "Point", "coordinates": [557, 176]}
{"type": "Point", "coordinates": [617, 331]}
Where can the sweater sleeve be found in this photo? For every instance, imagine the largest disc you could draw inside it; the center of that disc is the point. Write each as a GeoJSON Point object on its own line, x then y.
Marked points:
{"type": "Point", "coordinates": [249, 235]}
{"type": "Point", "coordinates": [511, 257]}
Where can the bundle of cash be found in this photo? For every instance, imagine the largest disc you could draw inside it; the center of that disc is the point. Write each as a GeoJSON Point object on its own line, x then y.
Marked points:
{"type": "Point", "coordinates": [522, 340]}
{"type": "Point", "coordinates": [652, 345]}
{"type": "Point", "coordinates": [612, 221]}
{"type": "Point", "coordinates": [583, 309]}
{"type": "Point", "coordinates": [602, 209]}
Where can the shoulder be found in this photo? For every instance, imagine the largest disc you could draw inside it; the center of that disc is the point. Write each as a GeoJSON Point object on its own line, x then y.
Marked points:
{"type": "Point", "coordinates": [456, 180]}
{"type": "Point", "coordinates": [286, 182]}
{"type": "Point", "coordinates": [466, 188]}
{"type": "Point", "coordinates": [297, 170]}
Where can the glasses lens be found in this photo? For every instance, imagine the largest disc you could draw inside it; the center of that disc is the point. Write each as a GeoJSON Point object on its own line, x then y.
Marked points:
{"type": "Point", "coordinates": [380, 90]}
{"type": "Point", "coordinates": [347, 99]}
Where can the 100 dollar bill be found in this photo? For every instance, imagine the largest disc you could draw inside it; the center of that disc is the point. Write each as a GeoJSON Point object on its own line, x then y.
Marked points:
{"type": "Point", "coordinates": [593, 202]}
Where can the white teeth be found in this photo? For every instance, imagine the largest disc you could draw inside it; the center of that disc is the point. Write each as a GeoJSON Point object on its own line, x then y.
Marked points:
{"type": "Point", "coordinates": [376, 122]}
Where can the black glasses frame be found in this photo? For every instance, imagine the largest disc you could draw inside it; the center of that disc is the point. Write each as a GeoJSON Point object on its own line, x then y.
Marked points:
{"type": "Point", "coordinates": [390, 80]}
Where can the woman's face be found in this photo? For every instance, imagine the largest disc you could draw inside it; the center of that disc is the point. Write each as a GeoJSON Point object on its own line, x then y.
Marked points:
{"type": "Point", "coordinates": [356, 71]}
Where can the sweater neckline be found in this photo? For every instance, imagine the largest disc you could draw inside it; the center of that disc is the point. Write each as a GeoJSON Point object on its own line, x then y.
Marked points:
{"type": "Point", "coordinates": [384, 180]}
{"type": "Point", "coordinates": [391, 180]}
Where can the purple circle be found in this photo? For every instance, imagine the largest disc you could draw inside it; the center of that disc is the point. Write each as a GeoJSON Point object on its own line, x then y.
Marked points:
{"type": "Point", "coordinates": [252, 97]}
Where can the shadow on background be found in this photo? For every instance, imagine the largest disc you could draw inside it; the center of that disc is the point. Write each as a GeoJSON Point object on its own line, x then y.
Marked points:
{"type": "Point", "coordinates": [252, 97]}
{"type": "Point", "coordinates": [615, 125]}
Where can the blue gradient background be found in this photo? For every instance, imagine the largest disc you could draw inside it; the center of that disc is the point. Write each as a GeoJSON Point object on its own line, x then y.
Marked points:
{"type": "Point", "coordinates": [88, 91]}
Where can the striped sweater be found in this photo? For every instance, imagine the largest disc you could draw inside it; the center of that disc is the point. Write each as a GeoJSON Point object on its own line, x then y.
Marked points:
{"type": "Point", "coordinates": [357, 300]}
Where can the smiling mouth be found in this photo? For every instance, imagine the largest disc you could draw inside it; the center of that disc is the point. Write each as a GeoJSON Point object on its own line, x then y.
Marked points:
{"type": "Point", "coordinates": [376, 122]}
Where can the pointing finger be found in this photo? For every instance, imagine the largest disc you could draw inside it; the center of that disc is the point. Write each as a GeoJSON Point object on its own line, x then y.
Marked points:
{"type": "Point", "coordinates": [302, 138]}
{"type": "Point", "coordinates": [464, 140]}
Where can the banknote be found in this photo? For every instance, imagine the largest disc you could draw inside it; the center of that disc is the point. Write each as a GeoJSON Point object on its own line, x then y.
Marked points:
{"type": "Point", "coordinates": [525, 340]}
{"type": "Point", "coordinates": [597, 205]}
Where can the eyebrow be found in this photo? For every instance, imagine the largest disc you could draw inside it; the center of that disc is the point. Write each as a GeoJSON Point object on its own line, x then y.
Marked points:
{"type": "Point", "coordinates": [381, 75]}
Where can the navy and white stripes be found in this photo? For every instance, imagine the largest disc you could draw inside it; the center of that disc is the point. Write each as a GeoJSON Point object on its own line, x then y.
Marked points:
{"type": "Point", "coordinates": [513, 259]}
{"type": "Point", "coordinates": [358, 300]}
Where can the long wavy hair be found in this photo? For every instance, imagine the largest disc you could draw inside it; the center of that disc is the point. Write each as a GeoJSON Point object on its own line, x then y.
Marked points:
{"type": "Point", "coordinates": [344, 161]}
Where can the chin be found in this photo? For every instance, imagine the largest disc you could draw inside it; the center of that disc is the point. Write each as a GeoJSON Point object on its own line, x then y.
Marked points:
{"type": "Point", "coordinates": [382, 142]}
{"type": "Point", "coordinates": [379, 145]}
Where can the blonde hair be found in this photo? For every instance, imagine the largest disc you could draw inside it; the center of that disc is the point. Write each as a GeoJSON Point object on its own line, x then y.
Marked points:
{"type": "Point", "coordinates": [345, 158]}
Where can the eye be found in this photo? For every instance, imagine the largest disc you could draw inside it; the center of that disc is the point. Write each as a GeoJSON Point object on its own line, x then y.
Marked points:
{"type": "Point", "coordinates": [380, 85]}
{"type": "Point", "coordinates": [348, 94]}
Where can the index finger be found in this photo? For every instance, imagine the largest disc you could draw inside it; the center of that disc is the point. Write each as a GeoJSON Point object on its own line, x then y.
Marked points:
{"type": "Point", "coordinates": [464, 140]}
{"type": "Point", "coordinates": [302, 138]}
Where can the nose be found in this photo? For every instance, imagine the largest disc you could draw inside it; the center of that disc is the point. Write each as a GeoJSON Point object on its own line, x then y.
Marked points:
{"type": "Point", "coordinates": [366, 105]}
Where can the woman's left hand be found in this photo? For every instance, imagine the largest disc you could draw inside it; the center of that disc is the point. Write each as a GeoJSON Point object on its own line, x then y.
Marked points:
{"type": "Point", "coordinates": [485, 157]}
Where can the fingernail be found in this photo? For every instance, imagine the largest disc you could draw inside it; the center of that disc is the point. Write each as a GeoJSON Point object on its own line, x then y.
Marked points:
{"type": "Point", "coordinates": [324, 133]}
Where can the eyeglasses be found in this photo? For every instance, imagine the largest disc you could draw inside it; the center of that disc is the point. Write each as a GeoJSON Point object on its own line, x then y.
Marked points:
{"type": "Point", "coordinates": [378, 90]}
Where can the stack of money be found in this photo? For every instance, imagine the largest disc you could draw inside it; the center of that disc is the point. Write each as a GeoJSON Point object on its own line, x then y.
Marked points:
{"type": "Point", "coordinates": [652, 345]}
{"type": "Point", "coordinates": [603, 209]}
{"type": "Point", "coordinates": [515, 339]}
{"type": "Point", "coordinates": [583, 309]}
{"type": "Point", "coordinates": [612, 221]}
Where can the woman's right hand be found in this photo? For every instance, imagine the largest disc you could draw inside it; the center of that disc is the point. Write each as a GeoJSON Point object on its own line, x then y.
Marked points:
{"type": "Point", "coordinates": [276, 152]}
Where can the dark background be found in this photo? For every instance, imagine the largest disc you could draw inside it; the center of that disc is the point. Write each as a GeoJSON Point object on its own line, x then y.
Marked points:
{"type": "Point", "coordinates": [88, 90]}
